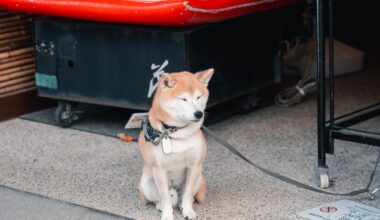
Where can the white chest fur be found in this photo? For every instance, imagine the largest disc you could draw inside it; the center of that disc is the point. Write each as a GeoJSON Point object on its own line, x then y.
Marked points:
{"type": "Point", "coordinates": [185, 153]}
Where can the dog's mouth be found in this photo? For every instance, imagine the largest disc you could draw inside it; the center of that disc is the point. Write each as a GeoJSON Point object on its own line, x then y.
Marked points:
{"type": "Point", "coordinates": [196, 120]}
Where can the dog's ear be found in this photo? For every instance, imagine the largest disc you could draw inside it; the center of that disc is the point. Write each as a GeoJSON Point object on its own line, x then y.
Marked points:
{"type": "Point", "coordinates": [205, 76]}
{"type": "Point", "coordinates": [166, 81]}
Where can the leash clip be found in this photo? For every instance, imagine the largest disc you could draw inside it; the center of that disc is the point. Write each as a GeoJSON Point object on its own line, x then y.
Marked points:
{"type": "Point", "coordinates": [158, 140]}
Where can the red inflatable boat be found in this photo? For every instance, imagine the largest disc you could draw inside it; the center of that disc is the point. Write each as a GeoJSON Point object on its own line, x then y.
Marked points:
{"type": "Point", "coordinates": [147, 12]}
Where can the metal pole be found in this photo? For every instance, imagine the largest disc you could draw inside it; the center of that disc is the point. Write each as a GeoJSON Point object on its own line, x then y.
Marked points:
{"type": "Point", "coordinates": [320, 85]}
{"type": "Point", "coordinates": [331, 75]}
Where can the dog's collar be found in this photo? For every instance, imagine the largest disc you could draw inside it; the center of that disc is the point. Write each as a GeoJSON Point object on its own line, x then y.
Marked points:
{"type": "Point", "coordinates": [169, 127]}
{"type": "Point", "coordinates": [155, 136]}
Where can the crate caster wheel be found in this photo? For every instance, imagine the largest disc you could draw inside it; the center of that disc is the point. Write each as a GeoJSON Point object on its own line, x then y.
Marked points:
{"type": "Point", "coordinates": [64, 114]}
{"type": "Point", "coordinates": [322, 176]}
{"type": "Point", "coordinates": [246, 103]}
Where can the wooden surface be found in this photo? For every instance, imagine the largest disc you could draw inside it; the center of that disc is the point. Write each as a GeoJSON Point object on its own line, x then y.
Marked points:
{"type": "Point", "coordinates": [19, 104]}
{"type": "Point", "coordinates": [18, 93]}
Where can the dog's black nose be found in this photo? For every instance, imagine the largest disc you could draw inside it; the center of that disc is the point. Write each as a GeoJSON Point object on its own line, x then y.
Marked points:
{"type": "Point", "coordinates": [198, 114]}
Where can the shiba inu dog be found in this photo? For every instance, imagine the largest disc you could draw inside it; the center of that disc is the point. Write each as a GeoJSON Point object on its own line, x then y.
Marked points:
{"type": "Point", "coordinates": [173, 146]}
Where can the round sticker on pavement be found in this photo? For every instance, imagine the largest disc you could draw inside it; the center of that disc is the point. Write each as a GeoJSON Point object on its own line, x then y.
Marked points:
{"type": "Point", "coordinates": [328, 209]}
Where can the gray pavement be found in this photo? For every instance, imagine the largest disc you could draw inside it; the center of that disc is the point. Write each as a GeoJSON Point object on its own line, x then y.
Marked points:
{"type": "Point", "coordinates": [103, 173]}
{"type": "Point", "coordinates": [19, 205]}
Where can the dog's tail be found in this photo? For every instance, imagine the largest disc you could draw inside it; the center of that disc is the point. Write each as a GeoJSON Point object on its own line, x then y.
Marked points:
{"type": "Point", "coordinates": [173, 197]}
{"type": "Point", "coordinates": [200, 196]}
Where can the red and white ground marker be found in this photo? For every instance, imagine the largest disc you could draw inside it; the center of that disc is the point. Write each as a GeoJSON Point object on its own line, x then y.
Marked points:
{"type": "Point", "coordinates": [328, 209]}
{"type": "Point", "coordinates": [343, 209]}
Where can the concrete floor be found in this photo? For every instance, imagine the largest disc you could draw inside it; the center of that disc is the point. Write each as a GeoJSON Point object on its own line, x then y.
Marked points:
{"type": "Point", "coordinates": [16, 204]}
{"type": "Point", "coordinates": [103, 173]}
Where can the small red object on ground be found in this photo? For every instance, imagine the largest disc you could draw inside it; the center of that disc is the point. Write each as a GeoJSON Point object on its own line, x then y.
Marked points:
{"type": "Point", "coordinates": [126, 138]}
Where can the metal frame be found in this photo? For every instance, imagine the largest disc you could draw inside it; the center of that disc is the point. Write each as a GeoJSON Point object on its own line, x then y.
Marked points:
{"type": "Point", "coordinates": [335, 128]}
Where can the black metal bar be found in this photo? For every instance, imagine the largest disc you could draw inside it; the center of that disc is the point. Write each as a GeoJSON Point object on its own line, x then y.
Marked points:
{"type": "Point", "coordinates": [355, 112]}
{"type": "Point", "coordinates": [320, 85]}
{"type": "Point", "coordinates": [330, 147]}
{"type": "Point", "coordinates": [358, 117]}
{"type": "Point", "coordinates": [355, 135]}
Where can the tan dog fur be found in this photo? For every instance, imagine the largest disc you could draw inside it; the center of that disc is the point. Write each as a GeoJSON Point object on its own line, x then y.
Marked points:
{"type": "Point", "coordinates": [178, 96]}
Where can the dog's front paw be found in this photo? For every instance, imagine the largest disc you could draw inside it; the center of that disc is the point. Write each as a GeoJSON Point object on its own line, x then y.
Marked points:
{"type": "Point", "coordinates": [167, 214]}
{"type": "Point", "coordinates": [188, 212]}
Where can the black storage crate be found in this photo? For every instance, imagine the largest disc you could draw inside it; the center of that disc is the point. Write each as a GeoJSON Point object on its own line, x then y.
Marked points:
{"type": "Point", "coordinates": [114, 64]}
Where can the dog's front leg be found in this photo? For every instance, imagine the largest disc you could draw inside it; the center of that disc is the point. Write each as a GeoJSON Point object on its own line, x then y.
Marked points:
{"type": "Point", "coordinates": [161, 180]}
{"type": "Point", "coordinates": [192, 179]}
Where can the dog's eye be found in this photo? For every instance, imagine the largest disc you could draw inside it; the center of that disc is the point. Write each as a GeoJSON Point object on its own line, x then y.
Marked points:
{"type": "Point", "coordinates": [198, 97]}
{"type": "Point", "coordinates": [183, 99]}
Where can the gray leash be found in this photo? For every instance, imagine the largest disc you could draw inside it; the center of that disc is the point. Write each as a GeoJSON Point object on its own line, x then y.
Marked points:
{"type": "Point", "coordinates": [287, 179]}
